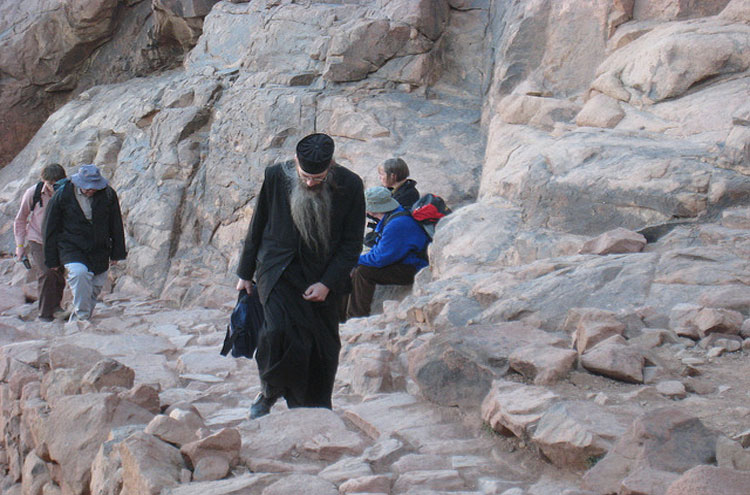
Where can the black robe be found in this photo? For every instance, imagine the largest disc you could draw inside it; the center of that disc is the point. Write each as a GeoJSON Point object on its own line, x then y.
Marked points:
{"type": "Point", "coordinates": [298, 345]}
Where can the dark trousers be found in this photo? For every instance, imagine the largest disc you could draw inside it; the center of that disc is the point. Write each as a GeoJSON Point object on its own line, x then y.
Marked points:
{"type": "Point", "coordinates": [51, 282]}
{"type": "Point", "coordinates": [364, 280]}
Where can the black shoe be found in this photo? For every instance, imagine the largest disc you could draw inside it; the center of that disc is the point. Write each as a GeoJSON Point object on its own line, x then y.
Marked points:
{"type": "Point", "coordinates": [261, 406]}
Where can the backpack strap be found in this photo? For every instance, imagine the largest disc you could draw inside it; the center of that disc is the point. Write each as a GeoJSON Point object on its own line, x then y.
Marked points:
{"type": "Point", "coordinates": [386, 221]}
{"type": "Point", "coordinates": [37, 195]}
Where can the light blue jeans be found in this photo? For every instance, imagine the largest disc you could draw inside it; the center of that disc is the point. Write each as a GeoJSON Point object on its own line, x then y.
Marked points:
{"type": "Point", "coordinates": [85, 287]}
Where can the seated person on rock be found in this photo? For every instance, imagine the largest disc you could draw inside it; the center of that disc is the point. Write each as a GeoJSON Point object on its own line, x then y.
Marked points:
{"type": "Point", "coordinates": [394, 175]}
{"type": "Point", "coordinates": [399, 251]}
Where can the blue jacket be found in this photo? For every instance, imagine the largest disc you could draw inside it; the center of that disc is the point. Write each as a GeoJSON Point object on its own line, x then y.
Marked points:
{"type": "Point", "coordinates": [400, 242]}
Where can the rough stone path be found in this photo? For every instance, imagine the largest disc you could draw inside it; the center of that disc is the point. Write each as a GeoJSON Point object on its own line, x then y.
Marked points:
{"type": "Point", "coordinates": [385, 443]}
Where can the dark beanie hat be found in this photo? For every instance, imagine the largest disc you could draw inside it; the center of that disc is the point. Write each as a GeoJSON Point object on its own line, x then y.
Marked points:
{"type": "Point", "coordinates": [315, 153]}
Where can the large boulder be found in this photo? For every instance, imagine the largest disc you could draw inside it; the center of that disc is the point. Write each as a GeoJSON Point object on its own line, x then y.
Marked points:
{"type": "Point", "coordinates": [80, 423]}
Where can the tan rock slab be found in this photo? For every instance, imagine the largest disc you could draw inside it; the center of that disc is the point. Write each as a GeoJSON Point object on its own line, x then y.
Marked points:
{"type": "Point", "coordinates": [600, 111]}
{"type": "Point", "coordinates": [718, 320]}
{"type": "Point", "coordinates": [211, 468]}
{"type": "Point", "coordinates": [647, 480]}
{"type": "Point", "coordinates": [371, 371]}
{"type": "Point", "coordinates": [457, 366]}
{"type": "Point", "coordinates": [515, 407]}
{"type": "Point", "coordinates": [446, 480]}
{"type": "Point", "coordinates": [73, 356]}
{"type": "Point", "coordinates": [148, 465]}
{"type": "Point", "coordinates": [674, 389]}
{"type": "Point", "coordinates": [367, 484]}
{"type": "Point", "coordinates": [187, 414]}
{"type": "Point", "coordinates": [346, 469]}
{"type": "Point", "coordinates": [107, 373]}
{"type": "Point", "coordinates": [243, 483]}
{"type": "Point", "coordinates": [704, 480]}
{"type": "Point", "coordinates": [589, 333]}
{"type": "Point", "coordinates": [80, 424]}
{"type": "Point", "coordinates": [543, 364]}
{"type": "Point", "coordinates": [615, 359]}
{"type": "Point", "coordinates": [571, 433]}
{"type": "Point", "coordinates": [145, 396]}
{"type": "Point", "coordinates": [658, 440]}
{"type": "Point", "coordinates": [35, 474]}
{"type": "Point", "coordinates": [420, 462]}
{"type": "Point", "coordinates": [387, 414]}
{"type": "Point", "coordinates": [615, 241]}
{"type": "Point", "coordinates": [106, 470]}
{"type": "Point", "coordinates": [315, 433]}
{"type": "Point", "coordinates": [171, 431]}
{"type": "Point", "coordinates": [682, 320]}
{"type": "Point", "coordinates": [313, 485]}
{"type": "Point", "coordinates": [225, 443]}
{"type": "Point", "coordinates": [730, 454]}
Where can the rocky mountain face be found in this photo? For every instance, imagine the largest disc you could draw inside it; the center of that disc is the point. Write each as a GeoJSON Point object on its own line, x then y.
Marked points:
{"type": "Point", "coordinates": [595, 269]}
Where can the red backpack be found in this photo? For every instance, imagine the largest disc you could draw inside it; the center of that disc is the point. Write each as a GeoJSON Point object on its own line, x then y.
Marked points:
{"type": "Point", "coordinates": [427, 211]}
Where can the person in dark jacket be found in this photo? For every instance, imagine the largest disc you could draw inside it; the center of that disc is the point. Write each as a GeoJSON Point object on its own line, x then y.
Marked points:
{"type": "Point", "coordinates": [397, 255]}
{"type": "Point", "coordinates": [394, 174]}
{"type": "Point", "coordinates": [304, 238]}
{"type": "Point", "coordinates": [83, 231]}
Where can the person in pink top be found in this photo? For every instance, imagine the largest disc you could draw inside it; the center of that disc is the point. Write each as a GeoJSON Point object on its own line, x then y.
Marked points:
{"type": "Point", "coordinates": [29, 233]}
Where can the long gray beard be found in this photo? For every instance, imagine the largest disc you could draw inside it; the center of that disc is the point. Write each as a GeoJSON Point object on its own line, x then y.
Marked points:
{"type": "Point", "coordinates": [311, 212]}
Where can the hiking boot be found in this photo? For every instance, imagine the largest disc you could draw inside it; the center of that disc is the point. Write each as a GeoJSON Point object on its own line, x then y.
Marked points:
{"type": "Point", "coordinates": [261, 406]}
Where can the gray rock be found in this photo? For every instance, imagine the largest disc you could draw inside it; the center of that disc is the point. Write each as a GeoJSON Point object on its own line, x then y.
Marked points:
{"type": "Point", "coordinates": [148, 464]}
{"type": "Point", "coordinates": [515, 408]}
{"type": "Point", "coordinates": [457, 367]}
{"type": "Point", "coordinates": [615, 359]}
{"type": "Point", "coordinates": [106, 374]}
{"type": "Point", "coordinates": [313, 485]}
{"type": "Point", "coordinates": [572, 433]}
{"type": "Point", "coordinates": [314, 433]}
{"type": "Point", "coordinates": [615, 242]}
{"type": "Point", "coordinates": [703, 480]}
{"type": "Point", "coordinates": [600, 111]}
{"type": "Point", "coordinates": [225, 444]}
{"type": "Point", "coordinates": [543, 364]}
{"type": "Point", "coordinates": [655, 441]}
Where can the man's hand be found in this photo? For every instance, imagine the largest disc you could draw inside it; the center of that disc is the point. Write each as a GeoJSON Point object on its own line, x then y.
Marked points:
{"type": "Point", "coordinates": [20, 251]}
{"type": "Point", "coordinates": [316, 293]}
{"type": "Point", "coordinates": [112, 262]}
{"type": "Point", "coordinates": [246, 285]}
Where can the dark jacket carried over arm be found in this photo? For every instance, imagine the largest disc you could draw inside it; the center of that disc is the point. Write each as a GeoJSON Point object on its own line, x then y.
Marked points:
{"type": "Point", "coordinates": [69, 237]}
{"type": "Point", "coordinates": [273, 242]}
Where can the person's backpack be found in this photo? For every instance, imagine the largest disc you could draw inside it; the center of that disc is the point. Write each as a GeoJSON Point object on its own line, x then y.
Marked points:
{"type": "Point", "coordinates": [244, 324]}
{"type": "Point", "coordinates": [37, 200]}
{"type": "Point", "coordinates": [427, 211]}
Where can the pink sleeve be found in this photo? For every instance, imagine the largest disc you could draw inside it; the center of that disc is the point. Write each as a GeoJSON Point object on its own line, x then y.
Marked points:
{"type": "Point", "coordinates": [19, 225]}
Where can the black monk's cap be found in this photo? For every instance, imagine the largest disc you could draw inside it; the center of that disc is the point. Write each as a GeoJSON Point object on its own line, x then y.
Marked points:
{"type": "Point", "coordinates": [315, 152]}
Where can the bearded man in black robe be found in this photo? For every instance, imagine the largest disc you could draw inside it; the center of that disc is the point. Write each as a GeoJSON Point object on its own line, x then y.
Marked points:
{"type": "Point", "coordinates": [304, 239]}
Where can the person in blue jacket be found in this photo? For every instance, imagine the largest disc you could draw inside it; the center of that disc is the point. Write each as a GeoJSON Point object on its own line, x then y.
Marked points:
{"type": "Point", "coordinates": [399, 252]}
